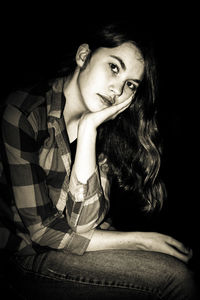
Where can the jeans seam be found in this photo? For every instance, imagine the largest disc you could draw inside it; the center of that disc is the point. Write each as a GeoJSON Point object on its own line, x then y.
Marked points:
{"type": "Point", "coordinates": [67, 277]}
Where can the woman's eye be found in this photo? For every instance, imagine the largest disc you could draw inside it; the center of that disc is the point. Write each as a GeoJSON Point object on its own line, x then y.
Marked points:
{"type": "Point", "coordinates": [114, 68]}
{"type": "Point", "coordinates": [131, 86]}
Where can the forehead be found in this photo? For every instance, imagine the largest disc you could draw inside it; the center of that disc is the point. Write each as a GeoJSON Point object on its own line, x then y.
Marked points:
{"type": "Point", "coordinates": [128, 53]}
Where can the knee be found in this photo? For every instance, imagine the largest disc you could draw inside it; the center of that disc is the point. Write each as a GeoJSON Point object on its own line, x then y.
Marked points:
{"type": "Point", "coordinates": [181, 280]}
{"type": "Point", "coordinates": [182, 274]}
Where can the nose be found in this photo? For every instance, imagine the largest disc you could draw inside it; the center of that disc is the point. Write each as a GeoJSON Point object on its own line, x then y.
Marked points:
{"type": "Point", "coordinates": [116, 89]}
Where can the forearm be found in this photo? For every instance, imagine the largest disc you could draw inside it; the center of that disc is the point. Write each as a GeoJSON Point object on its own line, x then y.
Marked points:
{"type": "Point", "coordinates": [148, 241]}
{"type": "Point", "coordinates": [105, 239]}
{"type": "Point", "coordinates": [85, 159]}
{"type": "Point", "coordinates": [87, 206]}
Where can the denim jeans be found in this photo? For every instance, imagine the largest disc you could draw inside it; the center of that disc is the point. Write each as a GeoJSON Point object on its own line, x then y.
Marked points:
{"type": "Point", "coordinates": [110, 274]}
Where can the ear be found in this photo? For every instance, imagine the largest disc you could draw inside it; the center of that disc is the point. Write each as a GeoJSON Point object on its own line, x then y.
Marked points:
{"type": "Point", "coordinates": [82, 54]}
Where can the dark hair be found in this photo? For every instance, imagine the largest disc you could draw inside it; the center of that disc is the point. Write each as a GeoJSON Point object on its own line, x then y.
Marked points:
{"type": "Point", "coordinates": [130, 142]}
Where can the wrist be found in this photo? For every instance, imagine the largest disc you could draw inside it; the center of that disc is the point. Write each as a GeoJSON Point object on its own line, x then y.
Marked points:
{"type": "Point", "coordinates": [87, 123]}
{"type": "Point", "coordinates": [86, 129]}
{"type": "Point", "coordinates": [136, 240]}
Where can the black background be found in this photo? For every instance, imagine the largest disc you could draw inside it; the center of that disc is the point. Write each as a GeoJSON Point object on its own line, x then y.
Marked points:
{"type": "Point", "coordinates": [32, 39]}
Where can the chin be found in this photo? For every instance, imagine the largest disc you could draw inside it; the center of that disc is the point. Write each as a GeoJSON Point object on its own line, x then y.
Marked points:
{"type": "Point", "coordinates": [95, 108]}
{"type": "Point", "coordinates": [94, 104]}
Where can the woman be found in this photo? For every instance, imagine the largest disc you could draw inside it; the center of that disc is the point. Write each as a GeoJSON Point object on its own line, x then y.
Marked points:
{"type": "Point", "coordinates": [65, 143]}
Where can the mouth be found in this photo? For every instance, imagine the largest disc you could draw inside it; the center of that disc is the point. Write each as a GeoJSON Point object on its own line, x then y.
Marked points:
{"type": "Point", "coordinates": [105, 100]}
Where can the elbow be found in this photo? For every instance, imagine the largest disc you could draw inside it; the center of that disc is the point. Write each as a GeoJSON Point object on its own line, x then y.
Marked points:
{"type": "Point", "coordinates": [81, 229]}
{"type": "Point", "coordinates": [89, 216]}
{"type": "Point", "coordinates": [84, 223]}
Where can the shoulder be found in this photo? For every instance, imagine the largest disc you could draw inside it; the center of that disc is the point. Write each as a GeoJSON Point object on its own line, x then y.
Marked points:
{"type": "Point", "coordinates": [29, 99]}
{"type": "Point", "coordinates": [26, 109]}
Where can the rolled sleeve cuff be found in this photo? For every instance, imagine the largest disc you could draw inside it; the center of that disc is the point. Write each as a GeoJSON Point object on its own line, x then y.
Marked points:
{"type": "Point", "coordinates": [82, 191]}
{"type": "Point", "coordinates": [78, 243]}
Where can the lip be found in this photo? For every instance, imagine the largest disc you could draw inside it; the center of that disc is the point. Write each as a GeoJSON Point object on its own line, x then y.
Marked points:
{"type": "Point", "coordinates": [105, 100]}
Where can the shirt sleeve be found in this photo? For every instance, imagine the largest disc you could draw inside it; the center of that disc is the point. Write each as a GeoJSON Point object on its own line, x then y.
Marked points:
{"type": "Point", "coordinates": [41, 220]}
{"type": "Point", "coordinates": [88, 203]}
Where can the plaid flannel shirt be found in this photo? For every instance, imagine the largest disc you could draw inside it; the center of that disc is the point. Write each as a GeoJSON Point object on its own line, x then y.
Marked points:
{"type": "Point", "coordinates": [50, 207]}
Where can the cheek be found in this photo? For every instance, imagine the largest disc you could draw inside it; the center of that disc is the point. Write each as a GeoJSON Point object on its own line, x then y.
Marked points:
{"type": "Point", "coordinates": [84, 82]}
{"type": "Point", "coordinates": [128, 92]}
{"type": "Point", "coordinates": [96, 81]}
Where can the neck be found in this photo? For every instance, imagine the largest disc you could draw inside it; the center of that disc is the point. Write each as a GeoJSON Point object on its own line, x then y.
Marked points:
{"type": "Point", "coordinates": [74, 107]}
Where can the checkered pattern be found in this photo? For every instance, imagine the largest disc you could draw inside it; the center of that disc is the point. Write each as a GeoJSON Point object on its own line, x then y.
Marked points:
{"type": "Point", "coordinates": [50, 207]}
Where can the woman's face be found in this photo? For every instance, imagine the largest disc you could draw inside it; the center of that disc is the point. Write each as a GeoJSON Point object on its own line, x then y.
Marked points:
{"type": "Point", "coordinates": [111, 76]}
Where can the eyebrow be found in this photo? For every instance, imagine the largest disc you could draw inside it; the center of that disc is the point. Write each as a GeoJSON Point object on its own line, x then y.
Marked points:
{"type": "Point", "coordinates": [120, 61]}
{"type": "Point", "coordinates": [123, 66]}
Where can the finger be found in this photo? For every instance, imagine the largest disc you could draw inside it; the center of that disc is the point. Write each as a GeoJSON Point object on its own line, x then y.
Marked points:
{"type": "Point", "coordinates": [120, 111]}
{"type": "Point", "coordinates": [108, 112]}
{"type": "Point", "coordinates": [174, 252]}
{"type": "Point", "coordinates": [179, 245]}
{"type": "Point", "coordinates": [124, 108]}
{"type": "Point", "coordinates": [178, 249]}
{"type": "Point", "coordinates": [113, 110]}
{"type": "Point", "coordinates": [125, 102]}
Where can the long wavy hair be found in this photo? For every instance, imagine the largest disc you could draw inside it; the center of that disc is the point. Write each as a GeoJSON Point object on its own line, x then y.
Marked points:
{"type": "Point", "coordinates": [131, 141]}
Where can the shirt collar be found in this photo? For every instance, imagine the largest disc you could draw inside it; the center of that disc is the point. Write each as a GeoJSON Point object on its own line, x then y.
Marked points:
{"type": "Point", "coordinates": [57, 99]}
